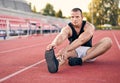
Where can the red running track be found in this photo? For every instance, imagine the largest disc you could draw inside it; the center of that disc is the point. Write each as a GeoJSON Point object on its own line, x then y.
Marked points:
{"type": "Point", "coordinates": [22, 61]}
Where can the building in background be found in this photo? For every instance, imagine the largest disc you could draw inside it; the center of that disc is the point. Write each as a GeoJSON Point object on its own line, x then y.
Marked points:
{"type": "Point", "coordinates": [15, 5]}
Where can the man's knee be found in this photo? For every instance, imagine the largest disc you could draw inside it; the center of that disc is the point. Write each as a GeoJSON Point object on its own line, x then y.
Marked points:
{"type": "Point", "coordinates": [107, 41]}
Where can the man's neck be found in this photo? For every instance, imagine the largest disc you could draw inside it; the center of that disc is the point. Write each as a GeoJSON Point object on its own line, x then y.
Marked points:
{"type": "Point", "coordinates": [77, 26]}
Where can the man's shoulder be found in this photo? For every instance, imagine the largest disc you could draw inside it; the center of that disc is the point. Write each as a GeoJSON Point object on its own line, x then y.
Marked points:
{"type": "Point", "coordinates": [66, 27]}
{"type": "Point", "coordinates": [89, 25]}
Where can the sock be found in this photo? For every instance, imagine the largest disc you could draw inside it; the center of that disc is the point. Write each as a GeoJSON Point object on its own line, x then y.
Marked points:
{"type": "Point", "coordinates": [73, 61]}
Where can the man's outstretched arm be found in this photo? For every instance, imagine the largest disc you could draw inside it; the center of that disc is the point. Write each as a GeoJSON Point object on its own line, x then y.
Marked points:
{"type": "Point", "coordinates": [60, 38]}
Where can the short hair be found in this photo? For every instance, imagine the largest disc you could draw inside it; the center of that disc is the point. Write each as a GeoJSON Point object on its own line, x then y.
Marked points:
{"type": "Point", "coordinates": [77, 9]}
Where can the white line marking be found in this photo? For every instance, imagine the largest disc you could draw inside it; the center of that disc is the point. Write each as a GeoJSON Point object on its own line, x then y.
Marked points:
{"type": "Point", "coordinates": [16, 49]}
{"type": "Point", "coordinates": [20, 71]}
{"type": "Point", "coordinates": [116, 40]}
{"type": "Point", "coordinates": [21, 48]}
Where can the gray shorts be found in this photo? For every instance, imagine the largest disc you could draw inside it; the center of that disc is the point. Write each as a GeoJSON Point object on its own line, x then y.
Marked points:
{"type": "Point", "coordinates": [82, 52]}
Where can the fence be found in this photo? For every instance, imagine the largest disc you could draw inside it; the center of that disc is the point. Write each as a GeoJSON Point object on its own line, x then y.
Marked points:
{"type": "Point", "coordinates": [16, 26]}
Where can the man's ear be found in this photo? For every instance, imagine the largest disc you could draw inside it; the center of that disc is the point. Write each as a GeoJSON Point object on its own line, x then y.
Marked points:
{"type": "Point", "coordinates": [82, 16]}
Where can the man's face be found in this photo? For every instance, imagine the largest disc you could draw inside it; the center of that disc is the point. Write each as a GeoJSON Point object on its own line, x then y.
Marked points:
{"type": "Point", "coordinates": [76, 18]}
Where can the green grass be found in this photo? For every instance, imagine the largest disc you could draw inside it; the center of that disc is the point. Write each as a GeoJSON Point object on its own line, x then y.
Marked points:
{"type": "Point", "coordinates": [108, 28]}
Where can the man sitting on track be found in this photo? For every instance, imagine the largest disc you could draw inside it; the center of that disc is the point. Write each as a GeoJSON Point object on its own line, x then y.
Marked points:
{"type": "Point", "coordinates": [80, 49]}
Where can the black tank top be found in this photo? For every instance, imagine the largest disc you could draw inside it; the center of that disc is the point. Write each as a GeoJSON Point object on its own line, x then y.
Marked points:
{"type": "Point", "coordinates": [75, 36]}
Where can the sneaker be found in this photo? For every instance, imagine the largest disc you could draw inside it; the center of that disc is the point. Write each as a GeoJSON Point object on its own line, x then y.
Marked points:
{"type": "Point", "coordinates": [73, 61]}
{"type": "Point", "coordinates": [52, 62]}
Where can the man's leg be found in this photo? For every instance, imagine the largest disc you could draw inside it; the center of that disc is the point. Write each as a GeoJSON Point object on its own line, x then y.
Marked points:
{"type": "Point", "coordinates": [62, 59]}
{"type": "Point", "coordinates": [53, 63]}
{"type": "Point", "coordinates": [98, 49]}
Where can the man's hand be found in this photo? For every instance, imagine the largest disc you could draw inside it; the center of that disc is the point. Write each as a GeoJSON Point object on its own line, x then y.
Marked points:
{"type": "Point", "coordinates": [65, 53]}
{"type": "Point", "coordinates": [50, 46]}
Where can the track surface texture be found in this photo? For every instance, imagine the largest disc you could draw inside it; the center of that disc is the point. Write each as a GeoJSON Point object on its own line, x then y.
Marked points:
{"type": "Point", "coordinates": [22, 61]}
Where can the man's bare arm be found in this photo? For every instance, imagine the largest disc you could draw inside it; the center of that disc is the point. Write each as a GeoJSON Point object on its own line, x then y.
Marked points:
{"type": "Point", "coordinates": [63, 35]}
{"type": "Point", "coordinates": [84, 37]}
{"type": "Point", "coordinates": [60, 38]}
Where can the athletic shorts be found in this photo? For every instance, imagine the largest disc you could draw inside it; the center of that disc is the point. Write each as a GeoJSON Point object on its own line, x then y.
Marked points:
{"type": "Point", "coordinates": [82, 52]}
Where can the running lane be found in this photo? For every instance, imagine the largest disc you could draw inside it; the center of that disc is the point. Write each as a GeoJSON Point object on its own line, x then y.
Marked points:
{"type": "Point", "coordinates": [27, 57]}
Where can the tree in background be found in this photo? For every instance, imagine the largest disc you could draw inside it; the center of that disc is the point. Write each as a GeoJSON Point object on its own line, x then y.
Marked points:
{"type": "Point", "coordinates": [119, 17]}
{"type": "Point", "coordinates": [87, 16]}
{"type": "Point", "coordinates": [104, 11]}
{"type": "Point", "coordinates": [48, 10]}
{"type": "Point", "coordinates": [30, 5]}
{"type": "Point", "coordinates": [34, 9]}
{"type": "Point", "coordinates": [59, 14]}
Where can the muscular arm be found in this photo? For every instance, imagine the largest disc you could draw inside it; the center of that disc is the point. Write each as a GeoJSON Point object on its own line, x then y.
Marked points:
{"type": "Point", "coordinates": [61, 36]}
{"type": "Point", "coordinates": [83, 38]}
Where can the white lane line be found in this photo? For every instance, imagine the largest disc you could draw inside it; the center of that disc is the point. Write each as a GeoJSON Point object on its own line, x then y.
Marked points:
{"type": "Point", "coordinates": [20, 71]}
{"type": "Point", "coordinates": [16, 49]}
{"type": "Point", "coordinates": [116, 40]}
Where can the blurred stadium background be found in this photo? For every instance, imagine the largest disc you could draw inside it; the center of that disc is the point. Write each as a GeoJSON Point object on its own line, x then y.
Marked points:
{"type": "Point", "coordinates": [17, 19]}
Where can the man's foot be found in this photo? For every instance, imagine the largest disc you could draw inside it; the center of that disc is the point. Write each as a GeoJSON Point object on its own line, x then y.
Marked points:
{"type": "Point", "coordinates": [73, 61]}
{"type": "Point", "coordinates": [51, 60]}
{"type": "Point", "coordinates": [61, 60]}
